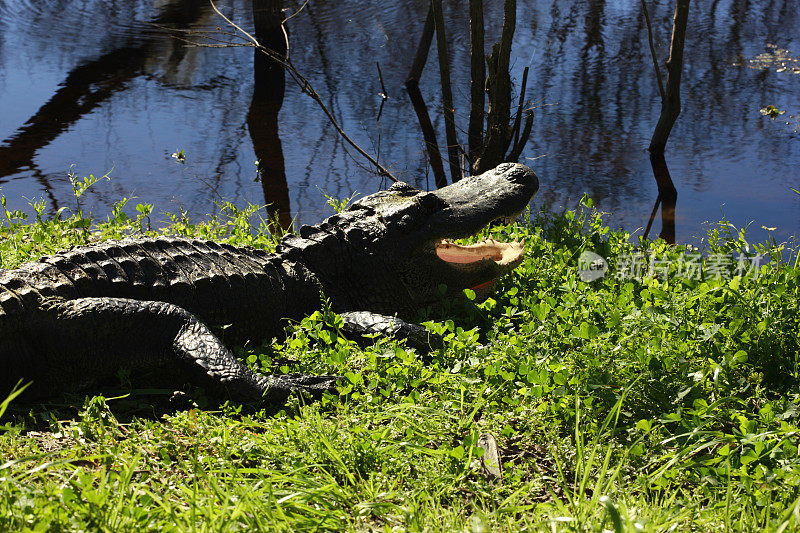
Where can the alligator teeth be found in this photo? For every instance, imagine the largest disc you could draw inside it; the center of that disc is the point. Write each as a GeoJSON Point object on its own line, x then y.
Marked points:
{"type": "Point", "coordinates": [499, 252]}
{"type": "Point", "coordinates": [510, 219]}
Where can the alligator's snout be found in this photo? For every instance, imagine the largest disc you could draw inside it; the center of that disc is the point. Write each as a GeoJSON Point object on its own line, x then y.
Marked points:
{"type": "Point", "coordinates": [472, 203]}
{"type": "Point", "coordinates": [468, 206]}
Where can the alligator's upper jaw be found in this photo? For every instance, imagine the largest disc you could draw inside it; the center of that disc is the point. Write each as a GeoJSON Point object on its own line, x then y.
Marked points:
{"type": "Point", "coordinates": [472, 203]}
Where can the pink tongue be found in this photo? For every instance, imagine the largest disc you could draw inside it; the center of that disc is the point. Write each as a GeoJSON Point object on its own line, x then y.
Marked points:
{"type": "Point", "coordinates": [482, 290]}
{"type": "Point", "coordinates": [454, 255]}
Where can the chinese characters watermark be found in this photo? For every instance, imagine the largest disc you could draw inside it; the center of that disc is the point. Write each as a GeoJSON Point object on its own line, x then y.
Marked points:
{"type": "Point", "coordinates": [688, 265]}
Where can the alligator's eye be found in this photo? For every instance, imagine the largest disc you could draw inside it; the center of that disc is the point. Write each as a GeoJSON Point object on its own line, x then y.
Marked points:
{"type": "Point", "coordinates": [431, 202]}
{"type": "Point", "coordinates": [404, 188]}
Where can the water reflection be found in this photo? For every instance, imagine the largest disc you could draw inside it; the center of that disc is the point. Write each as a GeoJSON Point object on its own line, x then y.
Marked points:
{"type": "Point", "coordinates": [262, 117]}
{"type": "Point", "coordinates": [667, 199]}
{"type": "Point", "coordinates": [88, 86]}
{"type": "Point", "coordinates": [122, 95]}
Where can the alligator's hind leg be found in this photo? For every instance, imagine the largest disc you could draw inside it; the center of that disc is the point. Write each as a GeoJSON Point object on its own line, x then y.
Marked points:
{"type": "Point", "coordinates": [110, 334]}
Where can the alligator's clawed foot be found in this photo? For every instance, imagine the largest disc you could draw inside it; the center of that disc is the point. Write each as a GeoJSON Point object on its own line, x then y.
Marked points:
{"type": "Point", "coordinates": [181, 400]}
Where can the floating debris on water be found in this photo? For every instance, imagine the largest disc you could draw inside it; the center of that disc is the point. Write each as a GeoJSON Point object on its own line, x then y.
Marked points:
{"type": "Point", "coordinates": [778, 59]}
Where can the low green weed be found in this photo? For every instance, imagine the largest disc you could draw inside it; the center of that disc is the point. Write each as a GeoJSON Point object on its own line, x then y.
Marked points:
{"type": "Point", "coordinates": [660, 396]}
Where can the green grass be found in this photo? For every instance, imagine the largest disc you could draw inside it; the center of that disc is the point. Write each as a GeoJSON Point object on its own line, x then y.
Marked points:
{"type": "Point", "coordinates": [651, 404]}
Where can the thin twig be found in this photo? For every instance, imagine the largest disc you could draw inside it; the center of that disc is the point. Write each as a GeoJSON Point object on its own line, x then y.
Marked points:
{"type": "Point", "coordinates": [385, 93]}
{"type": "Point", "coordinates": [286, 39]}
{"type": "Point", "coordinates": [295, 13]}
{"type": "Point", "coordinates": [194, 44]}
{"type": "Point", "coordinates": [226, 19]}
{"type": "Point", "coordinates": [380, 111]}
{"type": "Point", "coordinates": [382, 94]}
{"type": "Point", "coordinates": [653, 51]}
{"type": "Point", "coordinates": [447, 92]}
{"type": "Point", "coordinates": [518, 118]}
{"type": "Point", "coordinates": [519, 145]}
{"type": "Point", "coordinates": [304, 85]}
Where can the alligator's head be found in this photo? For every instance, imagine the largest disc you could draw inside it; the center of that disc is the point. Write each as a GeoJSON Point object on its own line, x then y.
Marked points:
{"type": "Point", "coordinates": [390, 251]}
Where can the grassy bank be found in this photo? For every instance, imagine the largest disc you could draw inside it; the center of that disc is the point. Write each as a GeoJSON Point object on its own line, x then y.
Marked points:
{"type": "Point", "coordinates": [647, 399]}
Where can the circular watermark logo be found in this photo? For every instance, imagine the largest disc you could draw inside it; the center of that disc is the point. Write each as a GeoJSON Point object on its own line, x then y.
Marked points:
{"type": "Point", "coordinates": [591, 266]}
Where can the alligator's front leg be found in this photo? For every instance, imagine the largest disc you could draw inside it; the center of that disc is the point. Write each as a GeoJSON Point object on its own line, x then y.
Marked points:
{"type": "Point", "coordinates": [358, 324]}
{"type": "Point", "coordinates": [86, 340]}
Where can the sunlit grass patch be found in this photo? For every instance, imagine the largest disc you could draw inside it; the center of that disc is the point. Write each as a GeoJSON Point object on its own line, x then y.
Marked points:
{"type": "Point", "coordinates": [626, 403]}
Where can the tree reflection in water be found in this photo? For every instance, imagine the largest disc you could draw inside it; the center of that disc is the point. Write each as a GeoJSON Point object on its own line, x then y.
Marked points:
{"type": "Point", "coordinates": [667, 199]}
{"type": "Point", "coordinates": [262, 117]}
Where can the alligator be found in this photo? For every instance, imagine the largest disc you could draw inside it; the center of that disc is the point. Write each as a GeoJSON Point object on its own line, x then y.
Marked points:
{"type": "Point", "coordinates": [168, 305]}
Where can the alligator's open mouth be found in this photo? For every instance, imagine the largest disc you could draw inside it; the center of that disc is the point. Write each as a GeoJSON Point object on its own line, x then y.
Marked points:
{"type": "Point", "coordinates": [482, 262]}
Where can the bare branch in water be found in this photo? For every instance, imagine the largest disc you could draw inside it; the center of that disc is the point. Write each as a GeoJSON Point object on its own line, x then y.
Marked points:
{"type": "Point", "coordinates": [477, 79]}
{"type": "Point", "coordinates": [653, 51]}
{"type": "Point", "coordinates": [418, 102]}
{"type": "Point", "coordinates": [671, 101]}
{"type": "Point", "coordinates": [447, 93]}
{"type": "Point", "coordinates": [284, 61]}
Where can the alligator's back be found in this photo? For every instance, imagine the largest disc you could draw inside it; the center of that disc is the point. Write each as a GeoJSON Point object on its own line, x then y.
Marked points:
{"type": "Point", "coordinates": [73, 318]}
{"type": "Point", "coordinates": [167, 269]}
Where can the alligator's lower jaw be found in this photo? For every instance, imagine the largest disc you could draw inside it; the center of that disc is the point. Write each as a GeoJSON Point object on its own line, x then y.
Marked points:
{"type": "Point", "coordinates": [480, 264]}
{"type": "Point", "coordinates": [504, 254]}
